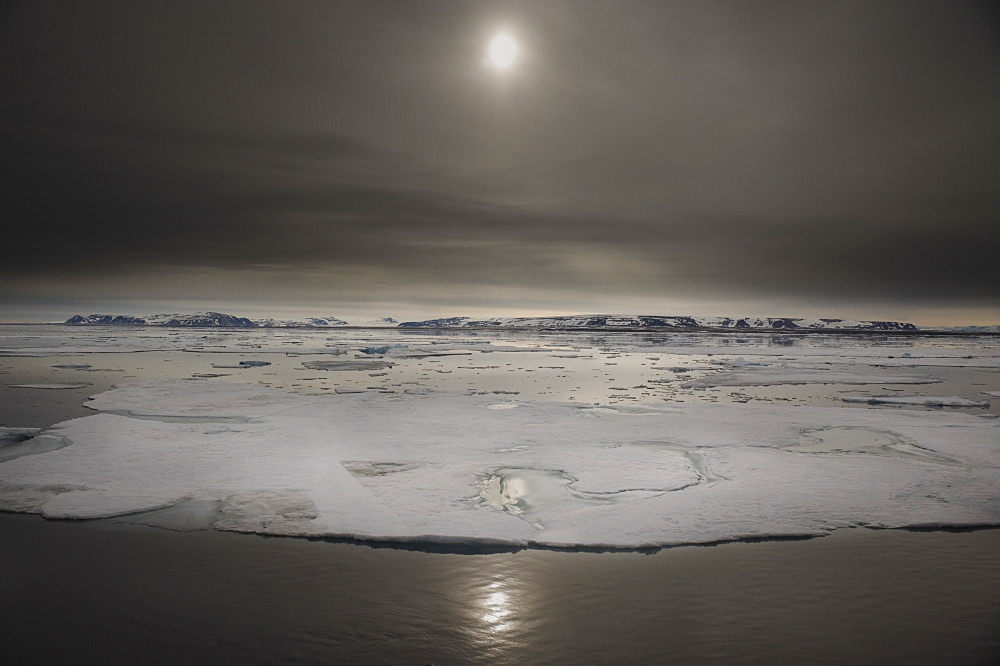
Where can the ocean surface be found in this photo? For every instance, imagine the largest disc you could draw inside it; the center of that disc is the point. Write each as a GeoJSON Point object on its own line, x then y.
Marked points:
{"type": "Point", "coordinates": [114, 591]}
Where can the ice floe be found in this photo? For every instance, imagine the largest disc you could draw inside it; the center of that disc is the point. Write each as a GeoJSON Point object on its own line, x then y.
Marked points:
{"type": "Point", "coordinates": [16, 434]}
{"type": "Point", "coordinates": [780, 376]}
{"type": "Point", "coordinates": [925, 400]}
{"type": "Point", "coordinates": [346, 365]}
{"type": "Point", "coordinates": [52, 386]}
{"type": "Point", "coordinates": [446, 467]}
{"type": "Point", "coordinates": [18, 442]}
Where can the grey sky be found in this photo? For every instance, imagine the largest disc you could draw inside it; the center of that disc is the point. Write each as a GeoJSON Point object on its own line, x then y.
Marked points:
{"type": "Point", "coordinates": [781, 158]}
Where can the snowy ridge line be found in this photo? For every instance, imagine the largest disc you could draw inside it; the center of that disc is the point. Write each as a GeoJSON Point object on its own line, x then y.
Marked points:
{"type": "Point", "coordinates": [201, 320]}
{"type": "Point", "coordinates": [218, 319]}
{"type": "Point", "coordinates": [626, 322]}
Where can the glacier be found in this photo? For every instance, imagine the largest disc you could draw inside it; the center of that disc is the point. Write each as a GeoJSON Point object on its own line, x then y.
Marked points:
{"type": "Point", "coordinates": [471, 469]}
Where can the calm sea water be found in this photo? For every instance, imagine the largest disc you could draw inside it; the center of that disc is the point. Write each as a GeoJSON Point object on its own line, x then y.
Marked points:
{"type": "Point", "coordinates": [87, 593]}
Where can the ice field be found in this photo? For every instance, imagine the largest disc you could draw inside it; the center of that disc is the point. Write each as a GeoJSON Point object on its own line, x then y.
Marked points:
{"type": "Point", "coordinates": [506, 439]}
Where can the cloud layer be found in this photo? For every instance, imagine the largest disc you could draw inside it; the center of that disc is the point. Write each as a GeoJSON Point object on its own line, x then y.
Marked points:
{"type": "Point", "coordinates": [665, 154]}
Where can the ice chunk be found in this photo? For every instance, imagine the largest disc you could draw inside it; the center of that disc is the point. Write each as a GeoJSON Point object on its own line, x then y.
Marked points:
{"type": "Point", "coordinates": [375, 350]}
{"type": "Point", "coordinates": [242, 365]}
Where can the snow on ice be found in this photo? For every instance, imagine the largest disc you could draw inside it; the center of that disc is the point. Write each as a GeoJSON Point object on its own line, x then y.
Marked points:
{"type": "Point", "coordinates": [445, 467]}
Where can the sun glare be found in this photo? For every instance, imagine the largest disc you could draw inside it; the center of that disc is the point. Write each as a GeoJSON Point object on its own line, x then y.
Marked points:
{"type": "Point", "coordinates": [503, 51]}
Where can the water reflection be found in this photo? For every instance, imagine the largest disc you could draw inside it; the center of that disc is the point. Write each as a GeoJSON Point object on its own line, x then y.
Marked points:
{"type": "Point", "coordinates": [496, 605]}
{"type": "Point", "coordinates": [499, 603]}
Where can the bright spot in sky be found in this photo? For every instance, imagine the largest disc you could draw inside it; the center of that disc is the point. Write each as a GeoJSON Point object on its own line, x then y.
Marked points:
{"type": "Point", "coordinates": [502, 52]}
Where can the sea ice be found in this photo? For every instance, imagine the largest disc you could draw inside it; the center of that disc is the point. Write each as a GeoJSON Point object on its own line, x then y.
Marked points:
{"type": "Point", "coordinates": [347, 365]}
{"type": "Point", "coordinates": [446, 467]}
{"type": "Point", "coordinates": [18, 442]}
{"type": "Point", "coordinates": [925, 400]}
{"type": "Point", "coordinates": [781, 376]}
{"type": "Point", "coordinates": [242, 365]}
{"type": "Point", "coordinates": [16, 434]}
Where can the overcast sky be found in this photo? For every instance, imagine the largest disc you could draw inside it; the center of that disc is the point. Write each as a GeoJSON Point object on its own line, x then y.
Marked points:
{"type": "Point", "coordinates": [359, 159]}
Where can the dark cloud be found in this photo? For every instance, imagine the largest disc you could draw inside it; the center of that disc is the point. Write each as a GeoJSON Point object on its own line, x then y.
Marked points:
{"type": "Point", "coordinates": [774, 152]}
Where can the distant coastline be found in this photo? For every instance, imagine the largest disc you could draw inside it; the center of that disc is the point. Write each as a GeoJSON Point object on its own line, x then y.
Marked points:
{"type": "Point", "coordinates": [569, 323]}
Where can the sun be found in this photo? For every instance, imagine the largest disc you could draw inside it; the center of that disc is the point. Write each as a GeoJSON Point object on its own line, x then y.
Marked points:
{"type": "Point", "coordinates": [502, 51]}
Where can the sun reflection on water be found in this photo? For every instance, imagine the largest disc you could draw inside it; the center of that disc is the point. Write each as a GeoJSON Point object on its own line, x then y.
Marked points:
{"type": "Point", "coordinates": [497, 607]}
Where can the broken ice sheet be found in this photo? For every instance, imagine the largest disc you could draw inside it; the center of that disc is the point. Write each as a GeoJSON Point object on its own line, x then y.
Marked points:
{"type": "Point", "coordinates": [415, 467]}
{"type": "Point", "coordinates": [922, 400]}
{"type": "Point", "coordinates": [780, 376]}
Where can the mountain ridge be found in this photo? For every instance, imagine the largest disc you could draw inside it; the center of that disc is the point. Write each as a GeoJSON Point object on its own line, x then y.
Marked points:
{"type": "Point", "coordinates": [621, 322]}
{"type": "Point", "coordinates": [664, 321]}
{"type": "Point", "coordinates": [202, 320]}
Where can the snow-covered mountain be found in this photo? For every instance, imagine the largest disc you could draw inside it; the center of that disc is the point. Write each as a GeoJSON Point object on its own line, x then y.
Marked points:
{"type": "Point", "coordinates": [198, 319]}
{"type": "Point", "coordinates": [382, 321]}
{"type": "Point", "coordinates": [657, 321]}
{"type": "Point", "coordinates": [219, 319]}
{"type": "Point", "coordinates": [971, 329]}
{"type": "Point", "coordinates": [302, 322]}
{"type": "Point", "coordinates": [201, 319]}
{"type": "Point", "coordinates": [105, 320]}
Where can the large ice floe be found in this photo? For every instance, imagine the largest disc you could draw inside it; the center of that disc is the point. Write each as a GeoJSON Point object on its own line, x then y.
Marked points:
{"type": "Point", "coordinates": [926, 400]}
{"type": "Point", "coordinates": [785, 376]}
{"type": "Point", "coordinates": [455, 468]}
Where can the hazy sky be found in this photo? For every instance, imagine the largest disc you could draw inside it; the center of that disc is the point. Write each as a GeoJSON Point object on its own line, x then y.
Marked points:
{"type": "Point", "coordinates": [361, 158]}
